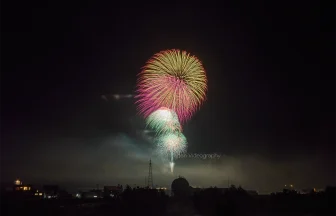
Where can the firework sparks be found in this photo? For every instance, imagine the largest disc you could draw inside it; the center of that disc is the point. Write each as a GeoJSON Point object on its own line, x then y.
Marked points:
{"type": "Point", "coordinates": [172, 145]}
{"type": "Point", "coordinates": [163, 120]}
{"type": "Point", "coordinates": [172, 79]}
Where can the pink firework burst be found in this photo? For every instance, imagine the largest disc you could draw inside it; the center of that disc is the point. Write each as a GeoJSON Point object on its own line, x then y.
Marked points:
{"type": "Point", "coordinates": [172, 79]}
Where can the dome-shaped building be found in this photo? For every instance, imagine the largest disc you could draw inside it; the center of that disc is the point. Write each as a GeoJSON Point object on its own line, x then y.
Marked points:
{"type": "Point", "coordinates": [180, 187]}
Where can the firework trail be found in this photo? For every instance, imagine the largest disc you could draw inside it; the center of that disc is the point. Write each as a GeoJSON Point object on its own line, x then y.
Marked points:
{"type": "Point", "coordinates": [172, 145]}
{"type": "Point", "coordinates": [163, 120]}
{"type": "Point", "coordinates": [172, 79]}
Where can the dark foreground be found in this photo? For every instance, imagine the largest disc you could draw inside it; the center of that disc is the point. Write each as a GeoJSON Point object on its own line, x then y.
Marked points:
{"type": "Point", "coordinates": [208, 202]}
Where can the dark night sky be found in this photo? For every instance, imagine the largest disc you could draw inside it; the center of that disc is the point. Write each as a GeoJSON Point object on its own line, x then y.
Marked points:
{"type": "Point", "coordinates": [270, 106]}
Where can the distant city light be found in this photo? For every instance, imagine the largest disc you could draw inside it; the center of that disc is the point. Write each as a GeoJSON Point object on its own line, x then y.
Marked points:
{"type": "Point", "coordinates": [161, 188]}
{"type": "Point", "coordinates": [18, 182]}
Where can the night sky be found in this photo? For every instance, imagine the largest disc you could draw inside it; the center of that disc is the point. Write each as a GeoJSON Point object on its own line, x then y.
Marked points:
{"type": "Point", "coordinates": [270, 109]}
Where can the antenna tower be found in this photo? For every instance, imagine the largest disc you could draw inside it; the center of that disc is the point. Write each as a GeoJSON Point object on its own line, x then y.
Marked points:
{"type": "Point", "coordinates": [150, 176]}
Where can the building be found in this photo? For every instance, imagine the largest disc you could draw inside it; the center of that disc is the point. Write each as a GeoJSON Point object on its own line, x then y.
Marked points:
{"type": "Point", "coordinates": [19, 190]}
{"type": "Point", "coordinates": [308, 191]}
{"type": "Point", "coordinates": [19, 186]}
{"type": "Point", "coordinates": [180, 187]}
{"type": "Point", "coordinates": [23, 187]}
{"type": "Point", "coordinates": [252, 192]}
{"type": "Point", "coordinates": [113, 191]}
{"type": "Point", "coordinates": [38, 193]}
{"type": "Point", "coordinates": [50, 191]}
{"type": "Point", "coordinates": [93, 194]}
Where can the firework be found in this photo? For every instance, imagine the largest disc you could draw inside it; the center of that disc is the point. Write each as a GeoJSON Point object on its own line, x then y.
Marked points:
{"type": "Point", "coordinates": [172, 79]}
{"type": "Point", "coordinates": [163, 120]}
{"type": "Point", "coordinates": [172, 144]}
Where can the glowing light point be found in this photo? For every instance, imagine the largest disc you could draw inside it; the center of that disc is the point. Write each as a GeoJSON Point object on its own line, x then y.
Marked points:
{"type": "Point", "coordinates": [18, 182]}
